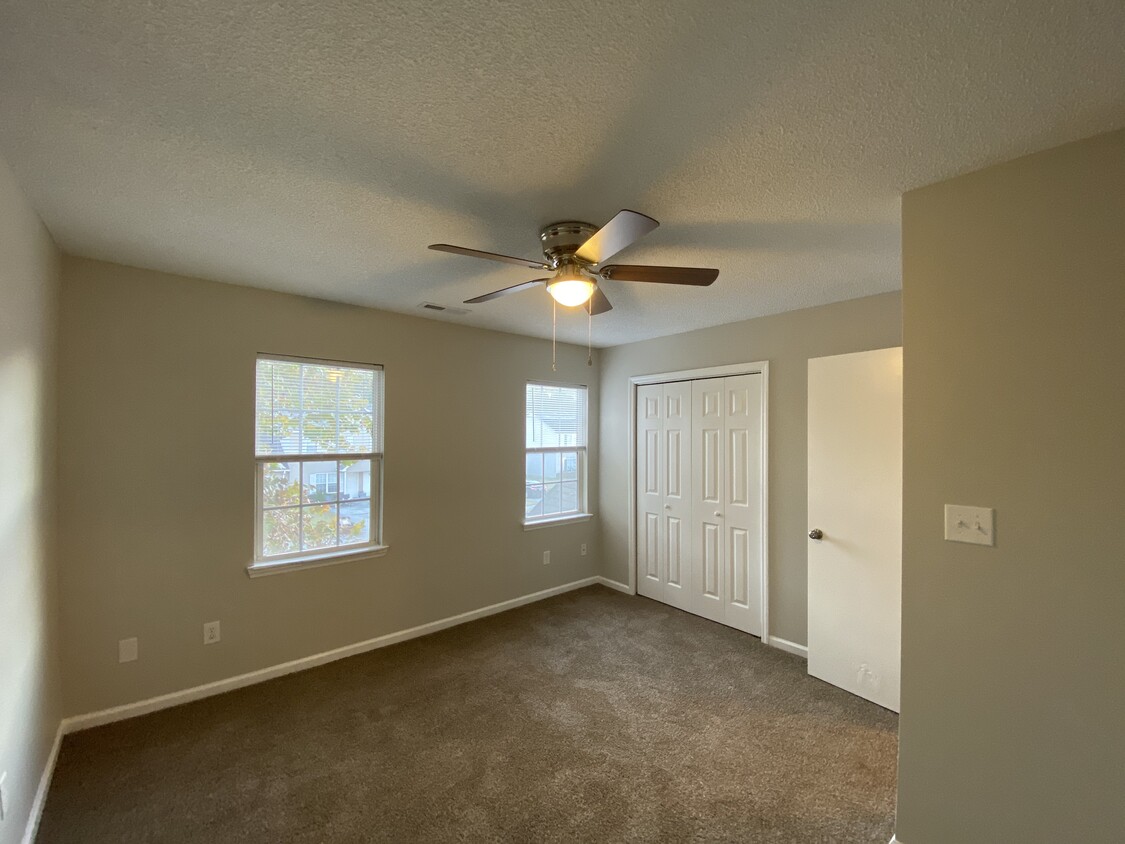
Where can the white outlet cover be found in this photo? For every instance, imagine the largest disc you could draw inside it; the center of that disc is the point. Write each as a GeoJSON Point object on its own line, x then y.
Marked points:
{"type": "Point", "coordinates": [211, 633]}
{"type": "Point", "coordinates": [976, 525]}
{"type": "Point", "coordinates": [127, 650]}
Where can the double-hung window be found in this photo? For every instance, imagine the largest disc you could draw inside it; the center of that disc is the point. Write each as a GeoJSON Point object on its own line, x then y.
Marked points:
{"type": "Point", "coordinates": [555, 460]}
{"type": "Point", "coordinates": [318, 450]}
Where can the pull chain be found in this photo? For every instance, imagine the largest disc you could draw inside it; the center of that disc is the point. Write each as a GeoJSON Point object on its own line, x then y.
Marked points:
{"type": "Point", "coordinates": [554, 326]}
{"type": "Point", "coordinates": [589, 336]}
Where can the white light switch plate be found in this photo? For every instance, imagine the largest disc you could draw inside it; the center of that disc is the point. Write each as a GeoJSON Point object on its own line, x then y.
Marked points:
{"type": "Point", "coordinates": [970, 524]}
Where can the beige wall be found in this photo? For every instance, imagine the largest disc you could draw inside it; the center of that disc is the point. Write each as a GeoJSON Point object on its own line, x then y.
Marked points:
{"type": "Point", "coordinates": [156, 496]}
{"type": "Point", "coordinates": [787, 341]}
{"type": "Point", "coordinates": [1013, 680]}
{"type": "Point", "coordinates": [30, 701]}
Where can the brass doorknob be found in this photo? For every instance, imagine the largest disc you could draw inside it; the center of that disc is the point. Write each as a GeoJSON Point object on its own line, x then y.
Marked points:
{"type": "Point", "coordinates": [816, 533]}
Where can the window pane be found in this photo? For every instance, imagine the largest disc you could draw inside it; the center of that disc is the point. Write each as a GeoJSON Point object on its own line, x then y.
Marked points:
{"type": "Point", "coordinates": [355, 433]}
{"type": "Point", "coordinates": [355, 522]}
{"type": "Point", "coordinates": [318, 434]}
{"type": "Point", "coordinates": [278, 397]}
{"type": "Point", "coordinates": [569, 500]}
{"type": "Point", "coordinates": [569, 471]}
{"type": "Point", "coordinates": [318, 388]}
{"type": "Point", "coordinates": [355, 479]}
{"type": "Point", "coordinates": [551, 499]}
{"type": "Point", "coordinates": [533, 501]}
{"type": "Point", "coordinates": [281, 484]}
{"type": "Point", "coordinates": [355, 391]}
{"type": "Point", "coordinates": [318, 527]}
{"type": "Point", "coordinates": [319, 484]}
{"type": "Point", "coordinates": [280, 531]}
{"type": "Point", "coordinates": [533, 472]}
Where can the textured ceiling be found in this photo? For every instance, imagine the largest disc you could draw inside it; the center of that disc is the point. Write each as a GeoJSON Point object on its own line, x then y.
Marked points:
{"type": "Point", "coordinates": [319, 147]}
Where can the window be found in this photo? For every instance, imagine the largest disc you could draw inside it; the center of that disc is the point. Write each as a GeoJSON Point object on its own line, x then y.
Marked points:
{"type": "Point", "coordinates": [555, 460]}
{"type": "Point", "coordinates": [318, 452]}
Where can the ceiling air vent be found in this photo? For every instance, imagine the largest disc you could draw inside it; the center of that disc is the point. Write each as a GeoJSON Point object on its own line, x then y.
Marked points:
{"type": "Point", "coordinates": [430, 306]}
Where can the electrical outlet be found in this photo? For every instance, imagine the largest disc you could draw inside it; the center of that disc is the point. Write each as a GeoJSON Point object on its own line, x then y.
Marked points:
{"type": "Point", "coordinates": [546, 558]}
{"type": "Point", "coordinates": [127, 650]}
{"type": "Point", "coordinates": [582, 549]}
{"type": "Point", "coordinates": [211, 632]}
{"type": "Point", "coordinates": [3, 795]}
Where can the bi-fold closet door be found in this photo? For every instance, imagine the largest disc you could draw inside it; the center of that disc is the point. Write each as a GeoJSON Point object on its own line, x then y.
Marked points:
{"type": "Point", "coordinates": [699, 482]}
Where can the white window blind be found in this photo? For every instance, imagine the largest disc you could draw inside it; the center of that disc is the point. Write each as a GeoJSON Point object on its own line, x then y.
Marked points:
{"type": "Point", "coordinates": [317, 408]}
{"type": "Point", "coordinates": [556, 416]}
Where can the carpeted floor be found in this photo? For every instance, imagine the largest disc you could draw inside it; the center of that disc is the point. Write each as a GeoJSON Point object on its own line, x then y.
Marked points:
{"type": "Point", "coordinates": [592, 716]}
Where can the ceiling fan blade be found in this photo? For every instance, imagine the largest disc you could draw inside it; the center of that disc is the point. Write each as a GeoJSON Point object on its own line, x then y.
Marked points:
{"type": "Point", "coordinates": [626, 227]}
{"type": "Point", "coordinates": [662, 275]}
{"type": "Point", "coordinates": [490, 256]}
{"type": "Point", "coordinates": [598, 303]}
{"type": "Point", "coordinates": [515, 288]}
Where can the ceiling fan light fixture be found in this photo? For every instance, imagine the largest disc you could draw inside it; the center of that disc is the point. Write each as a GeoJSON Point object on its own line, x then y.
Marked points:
{"type": "Point", "coordinates": [570, 287]}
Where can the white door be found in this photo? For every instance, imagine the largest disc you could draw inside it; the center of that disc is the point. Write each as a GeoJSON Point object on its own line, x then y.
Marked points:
{"type": "Point", "coordinates": [708, 549]}
{"type": "Point", "coordinates": [855, 502]}
{"type": "Point", "coordinates": [650, 496]}
{"type": "Point", "coordinates": [742, 510]}
{"type": "Point", "coordinates": [676, 538]}
{"type": "Point", "coordinates": [699, 497]}
{"type": "Point", "coordinates": [663, 484]}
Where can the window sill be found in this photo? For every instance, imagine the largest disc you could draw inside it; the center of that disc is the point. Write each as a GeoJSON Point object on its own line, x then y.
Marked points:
{"type": "Point", "coordinates": [562, 520]}
{"type": "Point", "coordinates": [263, 569]}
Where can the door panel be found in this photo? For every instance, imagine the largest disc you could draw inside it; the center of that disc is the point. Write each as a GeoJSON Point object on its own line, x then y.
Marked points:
{"type": "Point", "coordinates": [742, 509]}
{"type": "Point", "coordinates": [674, 545]}
{"type": "Point", "coordinates": [650, 578]}
{"type": "Point", "coordinates": [677, 498]}
{"type": "Point", "coordinates": [709, 577]}
{"type": "Point", "coordinates": [855, 498]}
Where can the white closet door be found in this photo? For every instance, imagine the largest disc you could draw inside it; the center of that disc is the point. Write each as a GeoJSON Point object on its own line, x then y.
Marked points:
{"type": "Point", "coordinates": [676, 547]}
{"type": "Point", "coordinates": [742, 506]}
{"type": "Point", "coordinates": [650, 491]}
{"type": "Point", "coordinates": [709, 586]}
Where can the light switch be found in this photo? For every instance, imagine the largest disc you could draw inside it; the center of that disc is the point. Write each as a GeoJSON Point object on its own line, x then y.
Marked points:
{"type": "Point", "coordinates": [970, 524]}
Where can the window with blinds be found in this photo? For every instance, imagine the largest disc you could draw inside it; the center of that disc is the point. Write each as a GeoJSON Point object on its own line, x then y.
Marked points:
{"type": "Point", "coordinates": [318, 449]}
{"type": "Point", "coordinates": [555, 459]}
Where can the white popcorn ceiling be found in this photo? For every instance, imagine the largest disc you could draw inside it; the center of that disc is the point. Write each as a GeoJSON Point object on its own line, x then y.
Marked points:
{"type": "Point", "coordinates": [317, 148]}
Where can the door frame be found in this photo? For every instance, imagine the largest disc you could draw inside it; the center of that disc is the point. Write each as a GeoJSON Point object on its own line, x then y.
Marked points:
{"type": "Point", "coordinates": [752, 368]}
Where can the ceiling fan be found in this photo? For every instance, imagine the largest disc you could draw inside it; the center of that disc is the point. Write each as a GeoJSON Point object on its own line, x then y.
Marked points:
{"type": "Point", "coordinates": [575, 251]}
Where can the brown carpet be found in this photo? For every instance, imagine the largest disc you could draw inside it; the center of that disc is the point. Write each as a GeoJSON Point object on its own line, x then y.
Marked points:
{"type": "Point", "coordinates": [592, 716]}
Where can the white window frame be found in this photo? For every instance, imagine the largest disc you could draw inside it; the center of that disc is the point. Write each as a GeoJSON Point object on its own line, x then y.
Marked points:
{"type": "Point", "coordinates": [263, 565]}
{"type": "Point", "coordinates": [582, 513]}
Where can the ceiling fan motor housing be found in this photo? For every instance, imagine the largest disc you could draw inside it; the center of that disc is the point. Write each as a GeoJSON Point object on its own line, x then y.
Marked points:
{"type": "Point", "coordinates": [561, 240]}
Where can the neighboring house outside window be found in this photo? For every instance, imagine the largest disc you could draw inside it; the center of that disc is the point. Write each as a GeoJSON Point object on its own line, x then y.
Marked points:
{"type": "Point", "coordinates": [318, 456]}
{"type": "Point", "coordinates": [555, 458]}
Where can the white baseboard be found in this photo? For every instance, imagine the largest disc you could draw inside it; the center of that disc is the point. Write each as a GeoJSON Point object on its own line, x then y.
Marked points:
{"type": "Point", "coordinates": [614, 584]}
{"type": "Point", "coordinates": [40, 800]}
{"type": "Point", "coordinates": [790, 647]}
{"type": "Point", "coordinates": [153, 704]}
